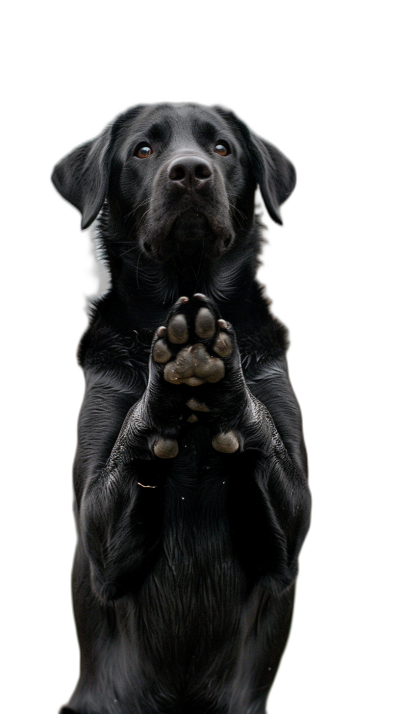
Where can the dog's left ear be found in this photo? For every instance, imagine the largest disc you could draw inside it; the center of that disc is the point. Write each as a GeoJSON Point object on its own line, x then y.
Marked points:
{"type": "Point", "coordinates": [274, 173]}
{"type": "Point", "coordinates": [82, 177]}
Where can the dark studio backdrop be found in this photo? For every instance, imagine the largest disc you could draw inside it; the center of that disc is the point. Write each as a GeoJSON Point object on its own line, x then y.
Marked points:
{"type": "Point", "coordinates": [307, 268]}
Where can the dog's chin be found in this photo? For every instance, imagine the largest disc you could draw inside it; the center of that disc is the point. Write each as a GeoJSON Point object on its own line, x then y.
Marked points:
{"type": "Point", "coordinates": [191, 234]}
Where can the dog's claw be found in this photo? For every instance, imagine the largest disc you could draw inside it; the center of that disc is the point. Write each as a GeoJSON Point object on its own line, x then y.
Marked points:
{"type": "Point", "coordinates": [226, 443]}
{"type": "Point", "coordinates": [166, 448]}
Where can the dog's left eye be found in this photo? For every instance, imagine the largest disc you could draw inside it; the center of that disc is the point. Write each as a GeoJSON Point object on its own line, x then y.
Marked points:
{"type": "Point", "coordinates": [143, 152]}
{"type": "Point", "coordinates": [222, 148]}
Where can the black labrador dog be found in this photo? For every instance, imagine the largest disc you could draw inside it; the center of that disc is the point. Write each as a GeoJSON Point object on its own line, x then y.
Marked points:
{"type": "Point", "coordinates": [190, 478]}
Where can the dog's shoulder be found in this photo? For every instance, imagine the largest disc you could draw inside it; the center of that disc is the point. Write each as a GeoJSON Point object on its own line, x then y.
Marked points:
{"type": "Point", "coordinates": [261, 336]}
{"type": "Point", "coordinates": [103, 349]}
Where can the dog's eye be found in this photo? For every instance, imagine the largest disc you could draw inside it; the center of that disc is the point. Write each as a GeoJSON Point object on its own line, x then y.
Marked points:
{"type": "Point", "coordinates": [222, 148]}
{"type": "Point", "coordinates": [143, 151]}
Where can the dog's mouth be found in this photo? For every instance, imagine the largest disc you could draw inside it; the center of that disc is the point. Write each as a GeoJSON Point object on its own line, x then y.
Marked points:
{"type": "Point", "coordinates": [190, 227]}
{"type": "Point", "coordinates": [191, 233]}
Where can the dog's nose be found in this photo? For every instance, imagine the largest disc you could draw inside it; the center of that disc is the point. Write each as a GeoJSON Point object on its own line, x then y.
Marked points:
{"type": "Point", "coordinates": [190, 171]}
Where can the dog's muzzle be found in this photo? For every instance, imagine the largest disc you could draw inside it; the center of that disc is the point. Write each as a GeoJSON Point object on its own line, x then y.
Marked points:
{"type": "Point", "coordinates": [189, 210]}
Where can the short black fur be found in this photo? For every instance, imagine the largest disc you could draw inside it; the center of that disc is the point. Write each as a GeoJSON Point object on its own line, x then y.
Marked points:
{"type": "Point", "coordinates": [185, 567]}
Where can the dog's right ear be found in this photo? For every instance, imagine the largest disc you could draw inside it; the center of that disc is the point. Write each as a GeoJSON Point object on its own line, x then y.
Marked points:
{"type": "Point", "coordinates": [82, 177]}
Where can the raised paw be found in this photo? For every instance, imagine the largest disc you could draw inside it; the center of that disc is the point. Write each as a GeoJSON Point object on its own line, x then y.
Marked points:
{"type": "Point", "coordinates": [196, 348]}
{"type": "Point", "coordinates": [193, 345]}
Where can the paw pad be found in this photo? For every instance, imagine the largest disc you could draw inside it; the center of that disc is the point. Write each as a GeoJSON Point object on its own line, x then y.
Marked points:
{"type": "Point", "coordinates": [161, 352]}
{"type": "Point", "coordinates": [223, 345]}
{"type": "Point", "coordinates": [166, 448]}
{"type": "Point", "coordinates": [178, 330]}
{"type": "Point", "coordinates": [204, 323]}
{"type": "Point", "coordinates": [226, 443]}
{"type": "Point", "coordinates": [197, 406]}
{"type": "Point", "coordinates": [193, 365]}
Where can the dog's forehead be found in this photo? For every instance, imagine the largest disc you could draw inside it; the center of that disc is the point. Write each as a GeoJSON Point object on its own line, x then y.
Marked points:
{"type": "Point", "coordinates": [166, 121]}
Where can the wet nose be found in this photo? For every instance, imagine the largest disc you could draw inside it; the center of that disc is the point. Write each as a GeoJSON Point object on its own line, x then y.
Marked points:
{"type": "Point", "coordinates": [190, 172]}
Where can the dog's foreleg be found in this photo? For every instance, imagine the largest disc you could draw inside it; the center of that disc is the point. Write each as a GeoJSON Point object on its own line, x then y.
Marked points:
{"type": "Point", "coordinates": [119, 505]}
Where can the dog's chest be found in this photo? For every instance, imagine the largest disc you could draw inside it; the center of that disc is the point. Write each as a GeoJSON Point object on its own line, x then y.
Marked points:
{"type": "Point", "coordinates": [195, 529]}
{"type": "Point", "coordinates": [196, 589]}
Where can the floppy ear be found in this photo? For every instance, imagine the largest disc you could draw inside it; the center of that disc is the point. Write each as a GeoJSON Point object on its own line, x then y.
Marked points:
{"type": "Point", "coordinates": [274, 173]}
{"type": "Point", "coordinates": [82, 176]}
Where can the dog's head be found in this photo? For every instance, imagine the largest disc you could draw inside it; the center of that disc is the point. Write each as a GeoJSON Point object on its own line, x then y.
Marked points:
{"type": "Point", "coordinates": [175, 177]}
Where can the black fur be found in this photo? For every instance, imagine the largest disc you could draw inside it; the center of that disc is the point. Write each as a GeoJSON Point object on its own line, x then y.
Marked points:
{"type": "Point", "coordinates": [183, 586]}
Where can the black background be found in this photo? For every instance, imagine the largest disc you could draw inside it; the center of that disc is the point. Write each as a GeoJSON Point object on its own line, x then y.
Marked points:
{"type": "Point", "coordinates": [308, 107]}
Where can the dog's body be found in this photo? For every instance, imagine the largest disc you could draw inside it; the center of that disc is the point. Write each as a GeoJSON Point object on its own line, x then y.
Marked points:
{"type": "Point", "coordinates": [190, 479]}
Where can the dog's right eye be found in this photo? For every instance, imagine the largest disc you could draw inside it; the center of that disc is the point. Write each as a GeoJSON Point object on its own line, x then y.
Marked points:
{"type": "Point", "coordinates": [142, 152]}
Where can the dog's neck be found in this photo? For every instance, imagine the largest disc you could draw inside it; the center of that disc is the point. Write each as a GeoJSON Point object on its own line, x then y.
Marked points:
{"type": "Point", "coordinates": [143, 290]}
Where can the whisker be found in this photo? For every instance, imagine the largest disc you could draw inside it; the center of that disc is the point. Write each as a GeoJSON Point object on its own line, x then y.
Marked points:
{"type": "Point", "coordinates": [132, 213]}
{"type": "Point", "coordinates": [237, 211]}
{"type": "Point", "coordinates": [230, 195]}
{"type": "Point", "coordinates": [137, 269]}
{"type": "Point", "coordinates": [143, 217]}
{"type": "Point", "coordinates": [134, 247]}
{"type": "Point", "coordinates": [235, 217]}
{"type": "Point", "coordinates": [130, 232]}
